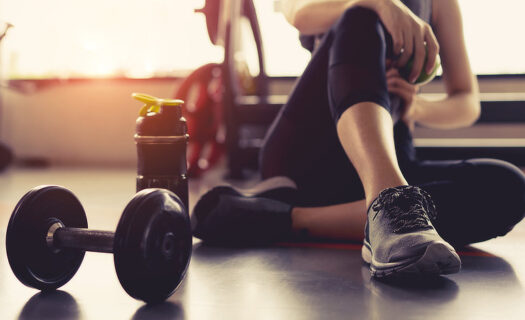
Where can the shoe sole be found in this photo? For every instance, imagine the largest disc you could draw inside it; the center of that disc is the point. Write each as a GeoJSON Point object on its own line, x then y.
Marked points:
{"type": "Point", "coordinates": [259, 190]}
{"type": "Point", "coordinates": [267, 185]}
{"type": "Point", "coordinates": [438, 259]}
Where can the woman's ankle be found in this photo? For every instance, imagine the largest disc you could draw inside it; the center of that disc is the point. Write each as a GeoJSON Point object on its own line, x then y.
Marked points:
{"type": "Point", "coordinates": [373, 191]}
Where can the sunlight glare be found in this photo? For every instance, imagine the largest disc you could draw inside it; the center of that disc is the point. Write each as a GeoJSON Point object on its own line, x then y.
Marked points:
{"type": "Point", "coordinates": [159, 38]}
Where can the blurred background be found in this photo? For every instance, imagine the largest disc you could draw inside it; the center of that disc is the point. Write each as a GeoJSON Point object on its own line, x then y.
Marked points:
{"type": "Point", "coordinates": [68, 69]}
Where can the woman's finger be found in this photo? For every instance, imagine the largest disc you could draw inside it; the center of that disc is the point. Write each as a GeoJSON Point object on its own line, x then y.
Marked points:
{"type": "Point", "coordinates": [432, 49]}
{"type": "Point", "coordinates": [419, 56]}
{"type": "Point", "coordinates": [406, 97]}
{"type": "Point", "coordinates": [400, 82]}
{"type": "Point", "coordinates": [402, 90]}
{"type": "Point", "coordinates": [393, 72]}
{"type": "Point", "coordinates": [404, 93]}
{"type": "Point", "coordinates": [397, 42]}
{"type": "Point", "coordinates": [407, 51]}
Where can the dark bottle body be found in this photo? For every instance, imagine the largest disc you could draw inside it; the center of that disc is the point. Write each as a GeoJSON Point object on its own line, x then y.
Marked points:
{"type": "Point", "coordinates": [161, 139]}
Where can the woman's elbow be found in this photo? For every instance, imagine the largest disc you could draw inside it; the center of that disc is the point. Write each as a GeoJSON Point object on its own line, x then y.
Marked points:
{"type": "Point", "coordinates": [293, 14]}
{"type": "Point", "coordinates": [306, 21]}
{"type": "Point", "coordinates": [474, 101]}
{"type": "Point", "coordinates": [468, 103]}
{"type": "Point", "coordinates": [300, 20]}
{"type": "Point", "coordinates": [473, 112]}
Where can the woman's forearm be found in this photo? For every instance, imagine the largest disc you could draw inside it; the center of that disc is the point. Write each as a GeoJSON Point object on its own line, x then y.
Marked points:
{"type": "Point", "coordinates": [461, 107]}
{"type": "Point", "coordinates": [456, 111]}
{"type": "Point", "coordinates": [317, 16]}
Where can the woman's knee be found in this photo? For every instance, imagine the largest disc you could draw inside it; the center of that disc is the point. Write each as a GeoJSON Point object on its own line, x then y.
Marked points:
{"type": "Point", "coordinates": [356, 18]}
{"type": "Point", "coordinates": [357, 56]}
{"type": "Point", "coordinates": [357, 34]}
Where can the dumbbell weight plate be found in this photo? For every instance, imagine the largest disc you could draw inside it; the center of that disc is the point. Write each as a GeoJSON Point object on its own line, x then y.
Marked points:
{"type": "Point", "coordinates": [152, 246]}
{"type": "Point", "coordinates": [32, 261]}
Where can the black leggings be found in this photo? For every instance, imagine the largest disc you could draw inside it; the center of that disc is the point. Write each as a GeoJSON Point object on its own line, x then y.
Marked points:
{"type": "Point", "coordinates": [477, 199]}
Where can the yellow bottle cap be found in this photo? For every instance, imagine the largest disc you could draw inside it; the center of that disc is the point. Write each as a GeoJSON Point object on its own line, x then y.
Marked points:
{"type": "Point", "coordinates": [153, 104]}
{"type": "Point", "coordinates": [170, 102]}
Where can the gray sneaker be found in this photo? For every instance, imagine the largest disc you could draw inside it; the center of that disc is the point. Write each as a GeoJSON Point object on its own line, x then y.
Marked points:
{"type": "Point", "coordinates": [400, 238]}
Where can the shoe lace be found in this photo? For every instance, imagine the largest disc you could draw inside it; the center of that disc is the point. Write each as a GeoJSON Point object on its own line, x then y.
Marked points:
{"type": "Point", "coordinates": [407, 207]}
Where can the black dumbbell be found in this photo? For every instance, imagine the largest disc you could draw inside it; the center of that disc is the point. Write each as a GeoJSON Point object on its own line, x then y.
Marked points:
{"type": "Point", "coordinates": [47, 237]}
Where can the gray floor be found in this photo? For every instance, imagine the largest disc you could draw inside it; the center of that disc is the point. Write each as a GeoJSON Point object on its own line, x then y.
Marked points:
{"type": "Point", "coordinates": [311, 281]}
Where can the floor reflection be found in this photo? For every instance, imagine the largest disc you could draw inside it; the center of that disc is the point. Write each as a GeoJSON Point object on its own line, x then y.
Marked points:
{"type": "Point", "coordinates": [275, 283]}
{"type": "Point", "coordinates": [407, 298]}
{"type": "Point", "coordinates": [438, 289]}
{"type": "Point", "coordinates": [165, 310]}
{"type": "Point", "coordinates": [291, 282]}
{"type": "Point", "coordinates": [57, 305]}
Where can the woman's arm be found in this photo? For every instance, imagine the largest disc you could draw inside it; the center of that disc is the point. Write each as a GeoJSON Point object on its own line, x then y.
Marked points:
{"type": "Point", "coordinates": [461, 108]}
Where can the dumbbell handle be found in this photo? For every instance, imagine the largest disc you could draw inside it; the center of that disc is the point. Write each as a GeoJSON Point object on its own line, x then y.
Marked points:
{"type": "Point", "coordinates": [61, 237]}
{"type": "Point", "coordinates": [82, 239]}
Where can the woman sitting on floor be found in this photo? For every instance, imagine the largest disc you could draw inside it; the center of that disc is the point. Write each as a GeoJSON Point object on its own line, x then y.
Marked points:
{"type": "Point", "coordinates": [339, 158]}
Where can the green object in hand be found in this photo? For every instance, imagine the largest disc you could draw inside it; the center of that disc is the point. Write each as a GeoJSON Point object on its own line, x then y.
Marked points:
{"type": "Point", "coordinates": [423, 77]}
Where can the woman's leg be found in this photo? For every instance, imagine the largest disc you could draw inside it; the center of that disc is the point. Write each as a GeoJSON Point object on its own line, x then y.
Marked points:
{"type": "Point", "coordinates": [302, 142]}
{"type": "Point", "coordinates": [352, 79]}
{"type": "Point", "coordinates": [399, 235]}
{"type": "Point", "coordinates": [359, 99]}
{"type": "Point", "coordinates": [476, 200]}
{"type": "Point", "coordinates": [344, 221]}
{"type": "Point", "coordinates": [365, 132]}
{"type": "Point", "coordinates": [345, 81]}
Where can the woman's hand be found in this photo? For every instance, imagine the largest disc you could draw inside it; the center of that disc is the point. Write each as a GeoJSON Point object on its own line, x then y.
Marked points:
{"type": "Point", "coordinates": [409, 34]}
{"type": "Point", "coordinates": [406, 91]}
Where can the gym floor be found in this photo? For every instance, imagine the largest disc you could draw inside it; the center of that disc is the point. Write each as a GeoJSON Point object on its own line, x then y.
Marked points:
{"type": "Point", "coordinates": [308, 281]}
